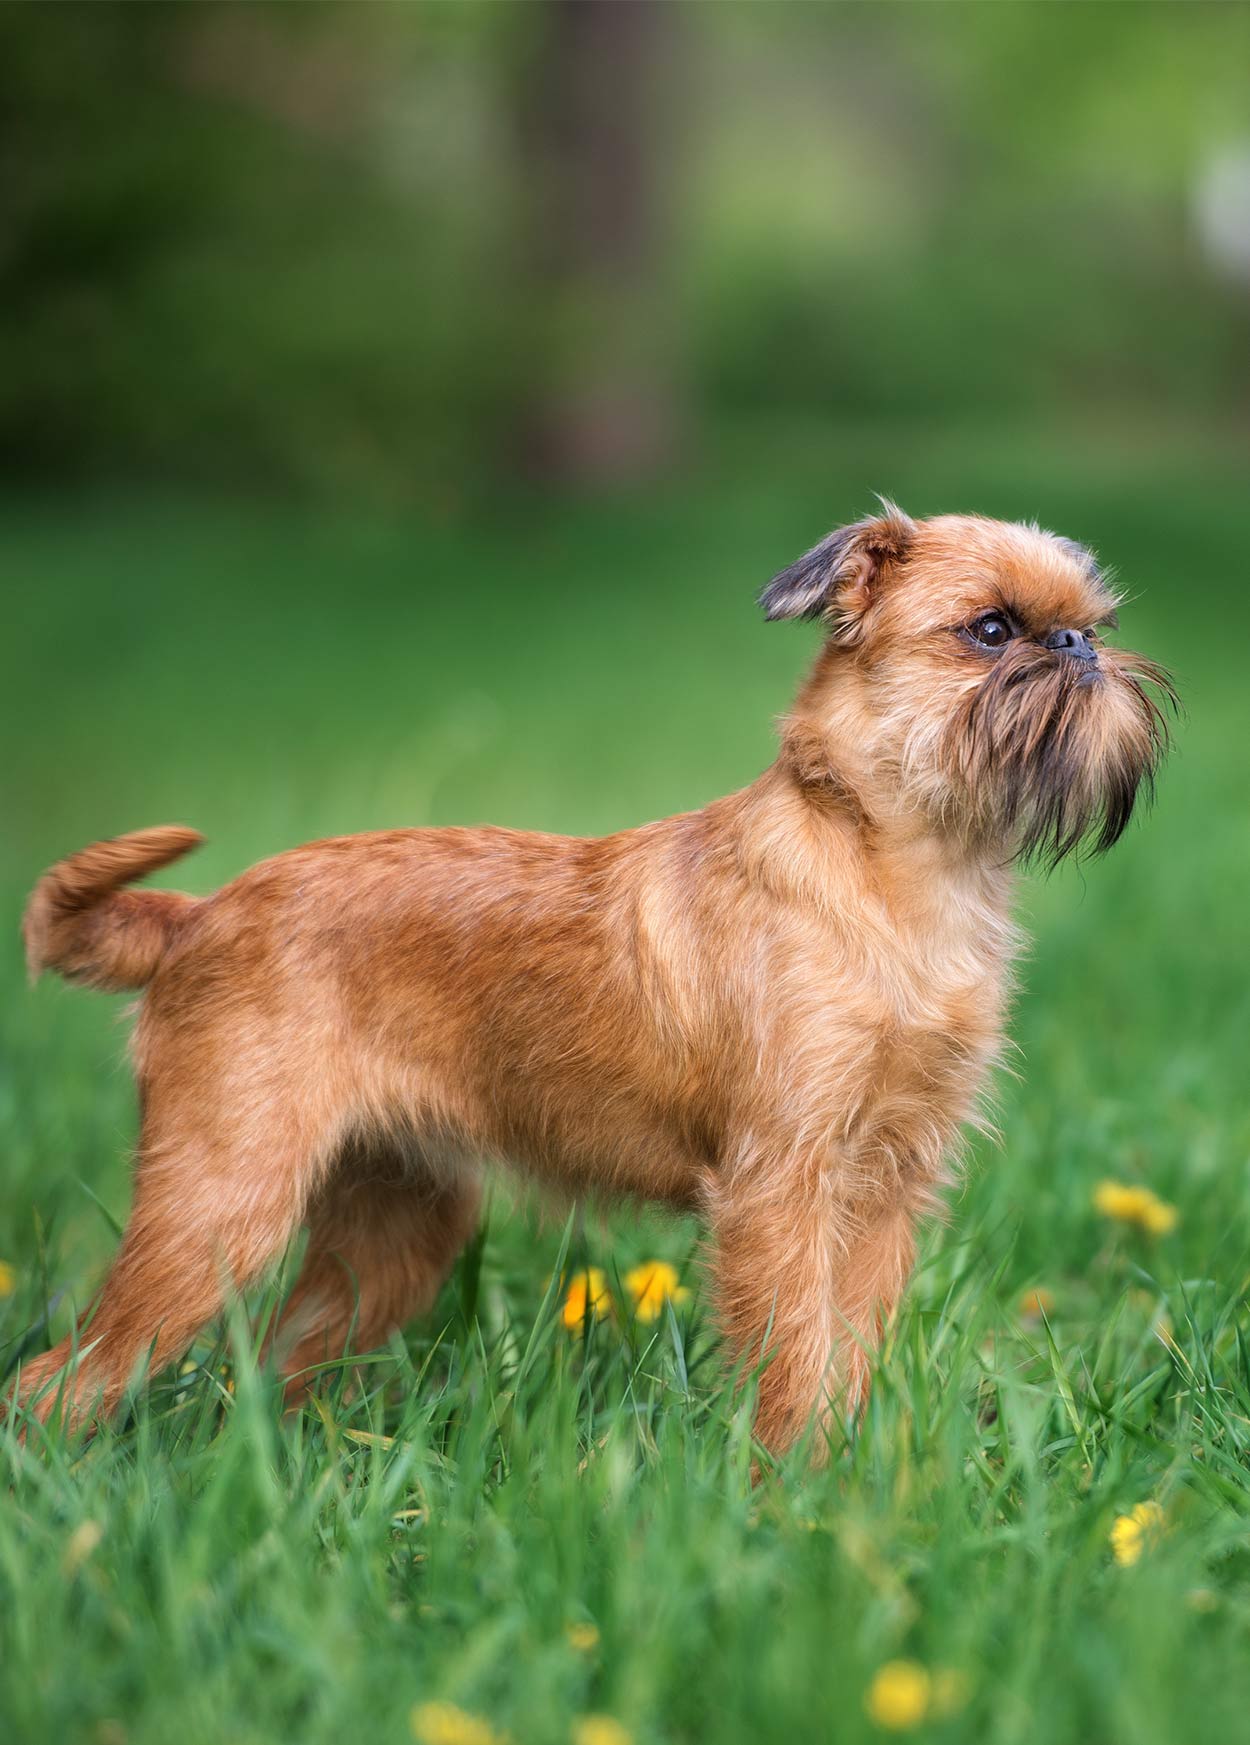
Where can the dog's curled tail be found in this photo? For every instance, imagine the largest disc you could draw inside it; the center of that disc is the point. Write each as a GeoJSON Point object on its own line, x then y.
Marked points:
{"type": "Point", "coordinates": [80, 922]}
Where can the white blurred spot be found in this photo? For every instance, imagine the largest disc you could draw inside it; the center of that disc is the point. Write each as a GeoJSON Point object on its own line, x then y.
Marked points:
{"type": "Point", "coordinates": [1221, 208]}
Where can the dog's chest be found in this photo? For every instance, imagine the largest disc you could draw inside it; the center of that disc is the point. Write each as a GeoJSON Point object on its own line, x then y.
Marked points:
{"type": "Point", "coordinates": [936, 1021]}
{"type": "Point", "coordinates": [909, 1020]}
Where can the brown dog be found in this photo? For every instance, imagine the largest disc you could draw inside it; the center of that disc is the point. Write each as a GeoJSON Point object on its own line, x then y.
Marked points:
{"type": "Point", "coordinates": [777, 1011]}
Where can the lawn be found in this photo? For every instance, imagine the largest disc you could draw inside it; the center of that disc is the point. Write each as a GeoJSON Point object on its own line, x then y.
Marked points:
{"type": "Point", "coordinates": [536, 1526]}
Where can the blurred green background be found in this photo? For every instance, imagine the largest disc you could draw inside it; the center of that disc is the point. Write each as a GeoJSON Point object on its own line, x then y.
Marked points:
{"type": "Point", "coordinates": [404, 251]}
{"type": "Point", "coordinates": [400, 407]}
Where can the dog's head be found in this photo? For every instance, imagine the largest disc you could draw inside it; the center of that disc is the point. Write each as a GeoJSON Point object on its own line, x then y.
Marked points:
{"type": "Point", "coordinates": [966, 674]}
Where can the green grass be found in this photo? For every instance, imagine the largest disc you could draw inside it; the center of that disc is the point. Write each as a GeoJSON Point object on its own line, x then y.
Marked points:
{"type": "Point", "coordinates": [271, 674]}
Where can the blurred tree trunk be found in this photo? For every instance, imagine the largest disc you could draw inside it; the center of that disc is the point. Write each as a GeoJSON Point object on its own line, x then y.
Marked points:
{"type": "Point", "coordinates": [596, 391]}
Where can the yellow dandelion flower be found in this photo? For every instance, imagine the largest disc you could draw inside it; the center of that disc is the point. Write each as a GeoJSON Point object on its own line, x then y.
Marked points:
{"type": "Point", "coordinates": [583, 1637]}
{"type": "Point", "coordinates": [8, 1279]}
{"type": "Point", "coordinates": [651, 1285]}
{"type": "Point", "coordinates": [1158, 1217]}
{"type": "Point", "coordinates": [445, 1724]}
{"type": "Point", "coordinates": [1140, 1206]}
{"type": "Point", "coordinates": [600, 1730]}
{"type": "Point", "coordinates": [1116, 1200]}
{"type": "Point", "coordinates": [1132, 1533]}
{"type": "Point", "coordinates": [898, 1697]}
{"type": "Point", "coordinates": [1034, 1304]}
{"type": "Point", "coordinates": [588, 1296]}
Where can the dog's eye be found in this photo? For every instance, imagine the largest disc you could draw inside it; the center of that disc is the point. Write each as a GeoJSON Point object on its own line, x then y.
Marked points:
{"type": "Point", "coordinates": [991, 630]}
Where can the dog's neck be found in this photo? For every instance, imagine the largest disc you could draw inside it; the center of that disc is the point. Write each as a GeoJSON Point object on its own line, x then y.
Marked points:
{"type": "Point", "coordinates": [830, 818]}
{"type": "Point", "coordinates": [835, 756]}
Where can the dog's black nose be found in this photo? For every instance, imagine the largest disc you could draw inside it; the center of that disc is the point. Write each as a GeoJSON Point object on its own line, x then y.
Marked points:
{"type": "Point", "coordinates": [1073, 642]}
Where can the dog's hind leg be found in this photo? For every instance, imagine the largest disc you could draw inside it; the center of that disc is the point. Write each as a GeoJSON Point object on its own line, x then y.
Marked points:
{"type": "Point", "coordinates": [221, 1185]}
{"type": "Point", "coordinates": [384, 1232]}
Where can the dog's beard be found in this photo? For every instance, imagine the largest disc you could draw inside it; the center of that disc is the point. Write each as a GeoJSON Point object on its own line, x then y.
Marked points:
{"type": "Point", "coordinates": [1051, 755]}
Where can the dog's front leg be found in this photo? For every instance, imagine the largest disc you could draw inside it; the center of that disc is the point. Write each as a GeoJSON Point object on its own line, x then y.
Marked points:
{"type": "Point", "coordinates": [806, 1277]}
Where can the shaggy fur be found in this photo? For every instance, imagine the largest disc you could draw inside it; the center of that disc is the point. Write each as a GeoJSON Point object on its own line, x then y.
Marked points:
{"type": "Point", "coordinates": [777, 1011]}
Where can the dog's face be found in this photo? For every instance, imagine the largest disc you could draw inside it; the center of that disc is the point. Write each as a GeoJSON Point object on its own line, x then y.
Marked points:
{"type": "Point", "coordinates": [966, 671]}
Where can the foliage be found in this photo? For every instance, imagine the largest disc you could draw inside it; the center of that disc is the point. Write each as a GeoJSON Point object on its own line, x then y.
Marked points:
{"type": "Point", "coordinates": [296, 244]}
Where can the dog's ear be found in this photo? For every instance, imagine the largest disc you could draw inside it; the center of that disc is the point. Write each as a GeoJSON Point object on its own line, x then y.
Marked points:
{"type": "Point", "coordinates": [836, 577]}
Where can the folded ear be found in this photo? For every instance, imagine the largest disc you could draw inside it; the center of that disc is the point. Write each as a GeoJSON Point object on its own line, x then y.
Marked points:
{"type": "Point", "coordinates": [836, 577]}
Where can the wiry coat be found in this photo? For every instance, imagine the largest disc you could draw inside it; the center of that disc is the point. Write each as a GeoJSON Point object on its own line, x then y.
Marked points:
{"type": "Point", "coordinates": [777, 1011]}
